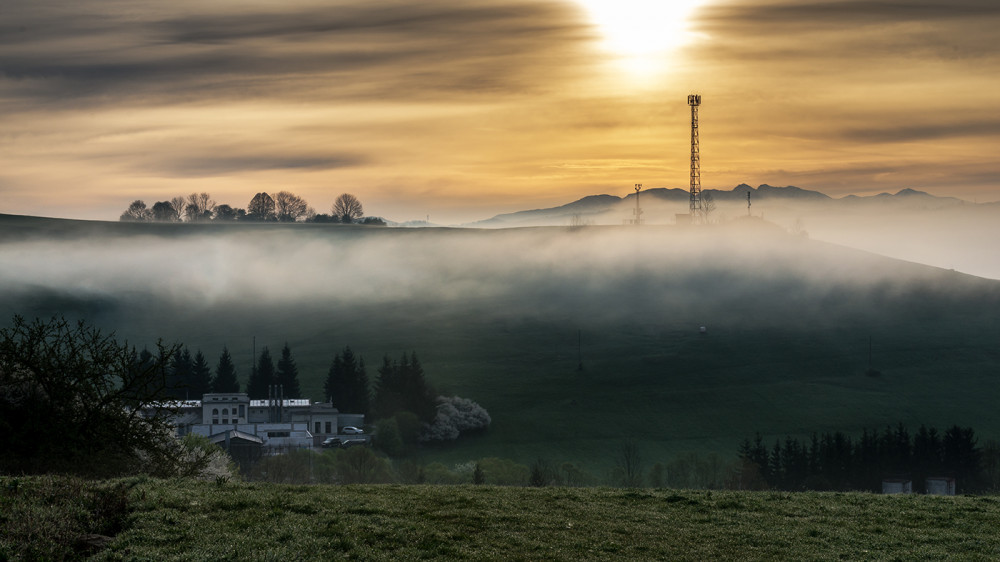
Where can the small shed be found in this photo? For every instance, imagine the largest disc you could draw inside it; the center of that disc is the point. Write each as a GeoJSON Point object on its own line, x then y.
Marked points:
{"type": "Point", "coordinates": [244, 448]}
{"type": "Point", "coordinates": [897, 486]}
{"type": "Point", "coordinates": [940, 486]}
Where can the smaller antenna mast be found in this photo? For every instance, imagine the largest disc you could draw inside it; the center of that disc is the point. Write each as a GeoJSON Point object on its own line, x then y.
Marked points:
{"type": "Point", "coordinates": [748, 202]}
{"type": "Point", "coordinates": [638, 210]}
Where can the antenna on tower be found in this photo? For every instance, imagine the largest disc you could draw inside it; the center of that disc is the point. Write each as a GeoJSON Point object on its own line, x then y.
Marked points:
{"type": "Point", "coordinates": [748, 202]}
{"type": "Point", "coordinates": [638, 210]}
{"type": "Point", "coordinates": [694, 100]}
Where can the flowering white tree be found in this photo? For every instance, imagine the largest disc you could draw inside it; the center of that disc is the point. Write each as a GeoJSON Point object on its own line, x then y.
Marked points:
{"type": "Point", "coordinates": [455, 415]}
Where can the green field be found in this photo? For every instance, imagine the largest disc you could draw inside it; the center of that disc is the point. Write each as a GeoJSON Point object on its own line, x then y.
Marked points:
{"type": "Point", "coordinates": [43, 517]}
{"type": "Point", "coordinates": [506, 317]}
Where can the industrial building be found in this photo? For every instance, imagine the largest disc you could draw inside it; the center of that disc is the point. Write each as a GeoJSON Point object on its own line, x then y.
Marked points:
{"type": "Point", "coordinates": [280, 423]}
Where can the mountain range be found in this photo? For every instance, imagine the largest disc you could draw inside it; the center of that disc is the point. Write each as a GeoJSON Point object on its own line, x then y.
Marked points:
{"type": "Point", "coordinates": [611, 209]}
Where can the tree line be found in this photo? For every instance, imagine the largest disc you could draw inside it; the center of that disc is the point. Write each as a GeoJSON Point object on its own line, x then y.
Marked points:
{"type": "Point", "coordinates": [834, 461]}
{"type": "Point", "coordinates": [284, 206]}
{"type": "Point", "coordinates": [400, 385]}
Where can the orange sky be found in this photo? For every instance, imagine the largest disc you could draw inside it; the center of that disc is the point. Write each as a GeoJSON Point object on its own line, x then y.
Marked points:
{"type": "Point", "coordinates": [461, 110]}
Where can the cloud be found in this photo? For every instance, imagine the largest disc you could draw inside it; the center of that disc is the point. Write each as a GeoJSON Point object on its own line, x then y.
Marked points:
{"type": "Point", "coordinates": [925, 131]}
{"type": "Point", "coordinates": [214, 165]}
{"type": "Point", "coordinates": [788, 31]}
{"type": "Point", "coordinates": [349, 50]}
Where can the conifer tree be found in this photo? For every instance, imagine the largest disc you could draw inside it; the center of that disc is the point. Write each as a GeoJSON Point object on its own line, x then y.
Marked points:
{"type": "Point", "coordinates": [225, 374]}
{"type": "Point", "coordinates": [201, 377]}
{"type": "Point", "coordinates": [262, 377]}
{"type": "Point", "coordinates": [346, 385]}
{"type": "Point", "coordinates": [179, 384]}
{"type": "Point", "coordinates": [288, 374]}
{"type": "Point", "coordinates": [402, 387]}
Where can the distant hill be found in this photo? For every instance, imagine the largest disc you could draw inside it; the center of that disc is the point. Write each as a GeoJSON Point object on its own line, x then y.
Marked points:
{"type": "Point", "coordinates": [611, 209]}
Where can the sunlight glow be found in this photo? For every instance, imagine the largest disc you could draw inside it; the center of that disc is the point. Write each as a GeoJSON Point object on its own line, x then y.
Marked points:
{"type": "Point", "coordinates": [638, 31]}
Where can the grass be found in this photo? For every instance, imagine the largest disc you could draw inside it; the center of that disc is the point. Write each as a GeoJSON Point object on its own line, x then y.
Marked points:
{"type": "Point", "coordinates": [190, 520]}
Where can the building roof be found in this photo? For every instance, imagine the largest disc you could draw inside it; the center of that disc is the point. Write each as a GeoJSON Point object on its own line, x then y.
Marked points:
{"type": "Point", "coordinates": [287, 403]}
{"type": "Point", "coordinates": [235, 434]}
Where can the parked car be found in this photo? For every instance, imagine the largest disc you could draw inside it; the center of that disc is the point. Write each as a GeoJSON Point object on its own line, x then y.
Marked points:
{"type": "Point", "coordinates": [331, 442]}
{"type": "Point", "coordinates": [351, 430]}
{"type": "Point", "coordinates": [352, 443]}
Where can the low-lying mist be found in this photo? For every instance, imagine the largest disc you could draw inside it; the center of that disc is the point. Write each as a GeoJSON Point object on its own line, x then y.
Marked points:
{"type": "Point", "coordinates": [587, 272]}
{"type": "Point", "coordinates": [942, 232]}
{"type": "Point", "coordinates": [562, 334]}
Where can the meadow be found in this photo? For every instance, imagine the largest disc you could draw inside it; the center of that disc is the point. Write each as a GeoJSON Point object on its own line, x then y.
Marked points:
{"type": "Point", "coordinates": [509, 317]}
{"type": "Point", "coordinates": [45, 517]}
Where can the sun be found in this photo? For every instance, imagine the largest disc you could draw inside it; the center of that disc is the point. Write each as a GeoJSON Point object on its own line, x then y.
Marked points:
{"type": "Point", "coordinates": [641, 30]}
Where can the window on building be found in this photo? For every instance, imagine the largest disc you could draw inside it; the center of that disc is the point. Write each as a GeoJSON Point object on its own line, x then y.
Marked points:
{"type": "Point", "coordinates": [224, 420]}
{"type": "Point", "coordinates": [243, 411]}
{"type": "Point", "coordinates": [317, 428]}
{"type": "Point", "coordinates": [225, 411]}
{"type": "Point", "coordinates": [215, 421]}
{"type": "Point", "coordinates": [215, 412]}
{"type": "Point", "coordinates": [329, 427]}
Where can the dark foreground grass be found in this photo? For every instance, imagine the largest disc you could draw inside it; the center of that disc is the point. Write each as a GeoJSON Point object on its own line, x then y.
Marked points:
{"type": "Point", "coordinates": [185, 520]}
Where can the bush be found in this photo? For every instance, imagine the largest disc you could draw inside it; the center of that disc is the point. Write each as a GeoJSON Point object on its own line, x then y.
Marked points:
{"type": "Point", "coordinates": [89, 390]}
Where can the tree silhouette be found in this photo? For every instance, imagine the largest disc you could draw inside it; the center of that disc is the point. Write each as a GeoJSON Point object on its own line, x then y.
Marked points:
{"type": "Point", "coordinates": [180, 376]}
{"type": "Point", "coordinates": [179, 203]}
{"type": "Point", "coordinates": [225, 213]}
{"type": "Point", "coordinates": [75, 378]}
{"type": "Point", "coordinates": [262, 377]}
{"type": "Point", "coordinates": [261, 208]}
{"type": "Point", "coordinates": [289, 207]}
{"type": "Point", "coordinates": [401, 387]}
{"type": "Point", "coordinates": [346, 385]}
{"type": "Point", "coordinates": [288, 374]}
{"type": "Point", "coordinates": [164, 211]}
{"type": "Point", "coordinates": [199, 207]}
{"type": "Point", "coordinates": [136, 212]}
{"type": "Point", "coordinates": [225, 374]}
{"type": "Point", "coordinates": [347, 208]}
{"type": "Point", "coordinates": [201, 377]}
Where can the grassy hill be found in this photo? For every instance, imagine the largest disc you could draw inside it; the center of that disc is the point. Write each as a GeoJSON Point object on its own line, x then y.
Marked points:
{"type": "Point", "coordinates": [506, 317]}
{"type": "Point", "coordinates": [189, 520]}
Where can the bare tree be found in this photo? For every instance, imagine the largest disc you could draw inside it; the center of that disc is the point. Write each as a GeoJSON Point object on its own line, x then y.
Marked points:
{"type": "Point", "coordinates": [179, 203]}
{"type": "Point", "coordinates": [261, 208]}
{"type": "Point", "coordinates": [630, 464]}
{"type": "Point", "coordinates": [199, 207]}
{"type": "Point", "coordinates": [347, 208]}
{"type": "Point", "coordinates": [289, 207]}
{"type": "Point", "coordinates": [707, 206]}
{"type": "Point", "coordinates": [136, 212]}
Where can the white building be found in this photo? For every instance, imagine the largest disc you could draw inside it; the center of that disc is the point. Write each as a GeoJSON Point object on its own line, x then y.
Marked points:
{"type": "Point", "coordinates": [897, 486]}
{"type": "Point", "coordinates": [940, 486]}
{"type": "Point", "coordinates": [280, 423]}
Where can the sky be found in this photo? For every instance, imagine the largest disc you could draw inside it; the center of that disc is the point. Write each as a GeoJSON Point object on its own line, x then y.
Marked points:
{"type": "Point", "coordinates": [457, 111]}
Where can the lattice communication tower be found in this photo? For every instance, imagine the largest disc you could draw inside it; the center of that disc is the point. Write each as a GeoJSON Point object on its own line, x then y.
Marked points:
{"type": "Point", "coordinates": [694, 101]}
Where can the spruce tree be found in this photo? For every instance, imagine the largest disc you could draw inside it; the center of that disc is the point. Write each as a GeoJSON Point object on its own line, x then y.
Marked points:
{"type": "Point", "coordinates": [262, 377]}
{"type": "Point", "coordinates": [288, 374]}
{"type": "Point", "coordinates": [346, 383]}
{"type": "Point", "coordinates": [179, 384]}
{"type": "Point", "coordinates": [401, 387]}
{"type": "Point", "coordinates": [225, 374]}
{"type": "Point", "coordinates": [201, 377]}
